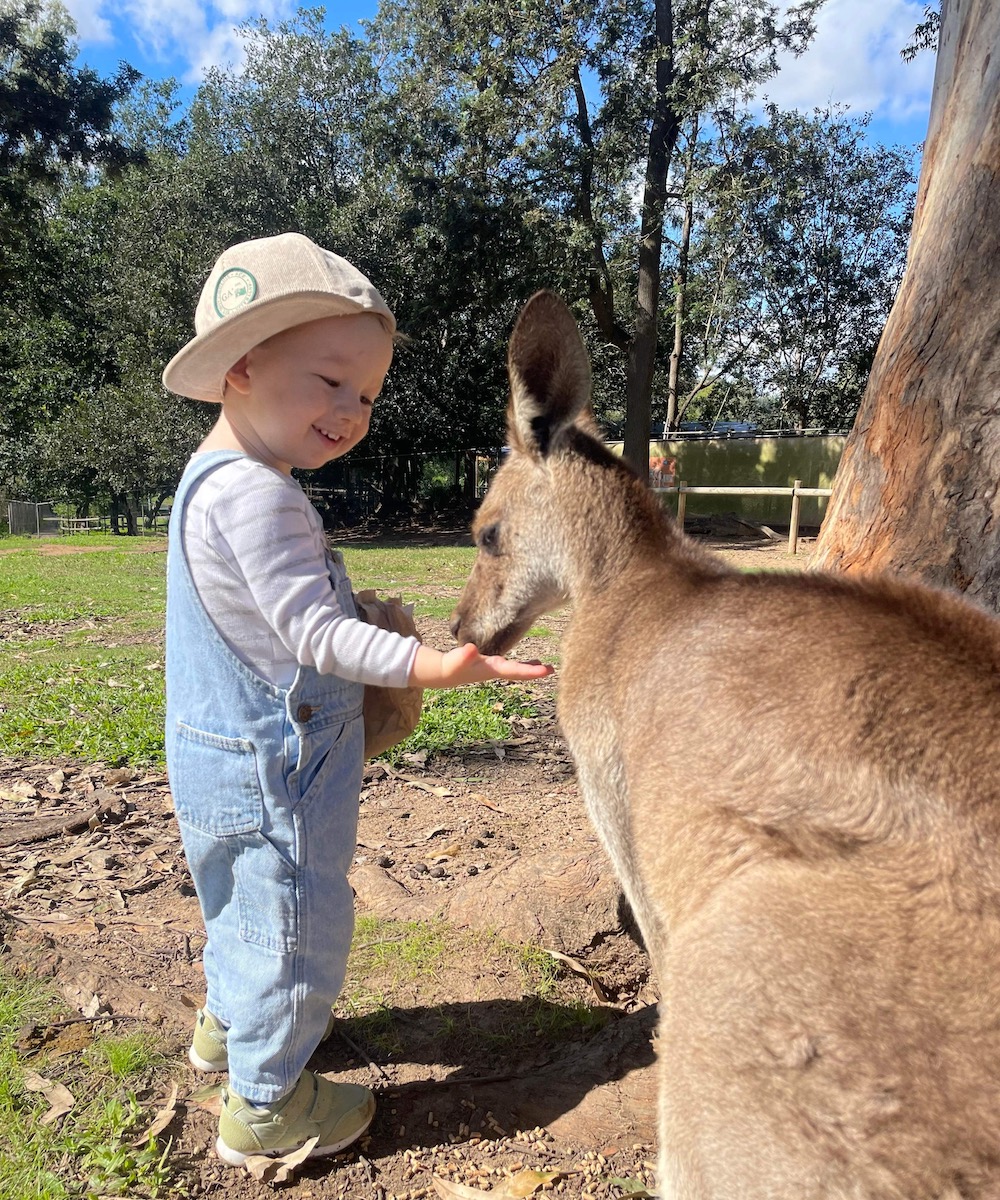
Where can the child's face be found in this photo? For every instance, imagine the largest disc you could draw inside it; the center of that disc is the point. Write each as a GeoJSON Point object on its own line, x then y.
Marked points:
{"type": "Point", "coordinates": [304, 397]}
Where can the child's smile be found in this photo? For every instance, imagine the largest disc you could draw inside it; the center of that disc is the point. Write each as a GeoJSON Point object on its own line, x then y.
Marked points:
{"type": "Point", "coordinates": [305, 396]}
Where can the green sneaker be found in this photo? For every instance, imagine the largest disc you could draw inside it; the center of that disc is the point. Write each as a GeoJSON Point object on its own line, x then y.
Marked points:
{"type": "Point", "coordinates": [208, 1046]}
{"type": "Point", "coordinates": [208, 1050]}
{"type": "Point", "coordinates": [334, 1113]}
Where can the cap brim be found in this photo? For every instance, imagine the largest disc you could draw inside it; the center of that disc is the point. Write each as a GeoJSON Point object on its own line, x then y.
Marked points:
{"type": "Point", "coordinates": [198, 370]}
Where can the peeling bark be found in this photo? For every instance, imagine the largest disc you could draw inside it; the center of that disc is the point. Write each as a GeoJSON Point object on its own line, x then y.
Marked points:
{"type": "Point", "coordinates": [916, 492]}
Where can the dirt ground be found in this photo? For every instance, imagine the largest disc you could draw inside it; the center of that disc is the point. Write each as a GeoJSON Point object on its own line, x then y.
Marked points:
{"type": "Point", "coordinates": [479, 1085]}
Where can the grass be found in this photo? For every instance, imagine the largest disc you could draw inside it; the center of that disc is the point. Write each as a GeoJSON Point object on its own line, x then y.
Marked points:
{"type": "Point", "coordinates": [82, 674]}
{"type": "Point", "coordinates": [87, 702]}
{"type": "Point", "coordinates": [388, 954]}
{"type": "Point", "coordinates": [110, 582]}
{"type": "Point", "coordinates": [92, 1150]}
{"type": "Point", "coordinates": [463, 716]}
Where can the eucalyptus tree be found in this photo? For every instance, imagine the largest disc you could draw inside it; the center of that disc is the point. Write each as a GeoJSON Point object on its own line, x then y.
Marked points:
{"type": "Point", "coordinates": [917, 489]}
{"type": "Point", "coordinates": [56, 126]}
{"type": "Point", "coordinates": [579, 106]}
{"type": "Point", "coordinates": [799, 246]}
{"type": "Point", "coordinates": [54, 116]}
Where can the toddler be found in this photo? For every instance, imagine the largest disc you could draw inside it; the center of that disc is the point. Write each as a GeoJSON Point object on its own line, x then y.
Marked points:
{"type": "Point", "coordinates": [266, 666]}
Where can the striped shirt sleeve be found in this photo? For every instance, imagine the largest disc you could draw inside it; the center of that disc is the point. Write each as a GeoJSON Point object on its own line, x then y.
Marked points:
{"type": "Point", "coordinates": [257, 553]}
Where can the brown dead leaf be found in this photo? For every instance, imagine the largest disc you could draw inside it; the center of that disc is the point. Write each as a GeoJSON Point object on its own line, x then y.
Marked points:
{"type": "Point", "coordinates": [65, 922]}
{"type": "Point", "coordinates": [278, 1170]}
{"type": "Point", "coordinates": [527, 1182]}
{"type": "Point", "coordinates": [59, 1097]}
{"type": "Point", "coordinates": [209, 1098]}
{"type": "Point", "coordinates": [440, 792]}
{"type": "Point", "coordinates": [487, 803]}
{"type": "Point", "coordinates": [20, 789]}
{"type": "Point", "coordinates": [24, 883]}
{"type": "Point", "coordinates": [524, 1183]}
{"type": "Point", "coordinates": [579, 969]}
{"type": "Point", "coordinates": [448, 1190]}
{"type": "Point", "coordinates": [69, 856]}
{"type": "Point", "coordinates": [162, 1119]}
{"type": "Point", "coordinates": [151, 857]}
{"type": "Point", "coordinates": [83, 999]}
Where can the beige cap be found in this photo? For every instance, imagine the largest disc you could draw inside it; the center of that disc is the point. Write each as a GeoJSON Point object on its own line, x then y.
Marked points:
{"type": "Point", "coordinates": [261, 288]}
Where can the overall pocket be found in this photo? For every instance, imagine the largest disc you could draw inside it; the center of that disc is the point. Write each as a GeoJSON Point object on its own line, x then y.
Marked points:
{"type": "Point", "coordinates": [221, 809]}
{"type": "Point", "coordinates": [215, 782]}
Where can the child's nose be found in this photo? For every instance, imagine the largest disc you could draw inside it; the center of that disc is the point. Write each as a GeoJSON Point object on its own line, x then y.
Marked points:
{"type": "Point", "coordinates": [349, 402]}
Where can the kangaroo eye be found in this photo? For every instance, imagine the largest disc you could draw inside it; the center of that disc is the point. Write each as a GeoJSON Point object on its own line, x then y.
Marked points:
{"type": "Point", "coordinates": [489, 539]}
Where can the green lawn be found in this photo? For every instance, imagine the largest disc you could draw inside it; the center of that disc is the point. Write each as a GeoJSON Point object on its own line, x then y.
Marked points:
{"type": "Point", "coordinates": [81, 674]}
{"type": "Point", "coordinates": [82, 668]}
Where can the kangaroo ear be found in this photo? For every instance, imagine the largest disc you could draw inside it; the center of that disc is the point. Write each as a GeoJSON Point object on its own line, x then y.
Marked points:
{"type": "Point", "coordinates": [549, 375]}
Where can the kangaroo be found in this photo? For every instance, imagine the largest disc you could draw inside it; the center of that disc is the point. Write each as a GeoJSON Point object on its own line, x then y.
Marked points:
{"type": "Point", "coordinates": [806, 822]}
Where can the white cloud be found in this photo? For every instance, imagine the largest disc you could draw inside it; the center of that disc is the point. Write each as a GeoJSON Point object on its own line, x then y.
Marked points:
{"type": "Point", "coordinates": [189, 35]}
{"type": "Point", "coordinates": [91, 26]}
{"type": "Point", "coordinates": [855, 59]}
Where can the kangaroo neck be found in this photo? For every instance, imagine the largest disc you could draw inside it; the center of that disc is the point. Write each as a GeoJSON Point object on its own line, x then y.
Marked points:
{"type": "Point", "coordinates": [614, 527]}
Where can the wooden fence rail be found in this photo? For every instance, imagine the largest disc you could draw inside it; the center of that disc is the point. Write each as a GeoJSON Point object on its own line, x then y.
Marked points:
{"type": "Point", "coordinates": [682, 490]}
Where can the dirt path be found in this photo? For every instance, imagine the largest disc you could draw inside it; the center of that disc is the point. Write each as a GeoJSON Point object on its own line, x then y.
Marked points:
{"type": "Point", "coordinates": [477, 1075]}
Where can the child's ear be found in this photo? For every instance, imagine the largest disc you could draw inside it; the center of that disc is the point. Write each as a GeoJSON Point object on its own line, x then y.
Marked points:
{"type": "Point", "coordinates": [237, 377]}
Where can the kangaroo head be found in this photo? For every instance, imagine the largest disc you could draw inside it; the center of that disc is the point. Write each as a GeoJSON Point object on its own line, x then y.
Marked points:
{"type": "Point", "coordinates": [522, 567]}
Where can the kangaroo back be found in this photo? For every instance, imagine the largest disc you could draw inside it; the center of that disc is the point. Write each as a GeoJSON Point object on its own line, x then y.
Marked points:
{"type": "Point", "coordinates": [805, 820]}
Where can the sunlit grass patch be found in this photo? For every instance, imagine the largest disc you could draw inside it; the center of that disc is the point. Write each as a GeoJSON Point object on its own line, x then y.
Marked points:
{"type": "Point", "coordinates": [92, 703]}
{"type": "Point", "coordinates": [411, 571]}
{"type": "Point", "coordinates": [93, 1149]}
{"type": "Point", "coordinates": [458, 717]}
{"type": "Point", "coordinates": [134, 1054]}
{"type": "Point", "coordinates": [107, 583]}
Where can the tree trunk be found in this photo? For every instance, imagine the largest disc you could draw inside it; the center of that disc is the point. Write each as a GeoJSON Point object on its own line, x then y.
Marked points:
{"type": "Point", "coordinates": [121, 507]}
{"type": "Point", "coordinates": [680, 297]}
{"type": "Point", "coordinates": [642, 350]}
{"type": "Point", "coordinates": [916, 492]}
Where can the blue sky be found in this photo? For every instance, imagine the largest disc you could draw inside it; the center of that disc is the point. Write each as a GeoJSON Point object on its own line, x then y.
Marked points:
{"type": "Point", "coordinates": [853, 60]}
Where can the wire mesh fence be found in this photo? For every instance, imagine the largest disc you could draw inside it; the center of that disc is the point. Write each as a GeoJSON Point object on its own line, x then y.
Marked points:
{"type": "Point", "coordinates": [31, 518]}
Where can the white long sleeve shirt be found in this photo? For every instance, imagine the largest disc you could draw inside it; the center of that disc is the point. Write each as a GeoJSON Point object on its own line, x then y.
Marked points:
{"type": "Point", "coordinates": [256, 551]}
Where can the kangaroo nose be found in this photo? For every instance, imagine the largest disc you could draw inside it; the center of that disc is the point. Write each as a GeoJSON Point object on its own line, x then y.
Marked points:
{"type": "Point", "coordinates": [455, 624]}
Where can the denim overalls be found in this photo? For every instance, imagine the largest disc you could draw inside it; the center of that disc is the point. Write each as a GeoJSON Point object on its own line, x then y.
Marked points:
{"type": "Point", "coordinates": [265, 783]}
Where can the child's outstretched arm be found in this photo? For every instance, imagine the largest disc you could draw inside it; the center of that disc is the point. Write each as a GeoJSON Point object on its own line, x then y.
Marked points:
{"type": "Point", "coordinates": [464, 664]}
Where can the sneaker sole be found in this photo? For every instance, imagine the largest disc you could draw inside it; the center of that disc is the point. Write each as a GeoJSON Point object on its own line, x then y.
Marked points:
{"type": "Point", "coordinates": [202, 1064]}
{"type": "Point", "coordinates": [236, 1158]}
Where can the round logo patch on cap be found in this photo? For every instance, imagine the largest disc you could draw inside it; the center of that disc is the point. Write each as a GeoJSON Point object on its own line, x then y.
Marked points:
{"type": "Point", "coordinates": [235, 289]}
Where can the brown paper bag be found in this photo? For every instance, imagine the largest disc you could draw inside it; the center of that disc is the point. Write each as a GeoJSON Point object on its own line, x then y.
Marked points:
{"type": "Point", "coordinates": [391, 714]}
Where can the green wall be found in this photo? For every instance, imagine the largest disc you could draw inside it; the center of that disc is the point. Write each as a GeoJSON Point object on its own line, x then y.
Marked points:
{"type": "Point", "coordinates": [753, 462]}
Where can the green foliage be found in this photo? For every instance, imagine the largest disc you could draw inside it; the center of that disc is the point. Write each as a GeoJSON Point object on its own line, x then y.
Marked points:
{"type": "Point", "coordinates": [925, 36]}
{"type": "Point", "coordinates": [91, 1151]}
{"type": "Point", "coordinates": [800, 246]}
{"type": "Point", "coordinates": [516, 167]}
{"type": "Point", "coordinates": [457, 717]}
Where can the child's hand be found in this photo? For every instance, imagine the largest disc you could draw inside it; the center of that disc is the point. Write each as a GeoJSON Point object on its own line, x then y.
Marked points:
{"type": "Point", "coordinates": [432, 669]}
